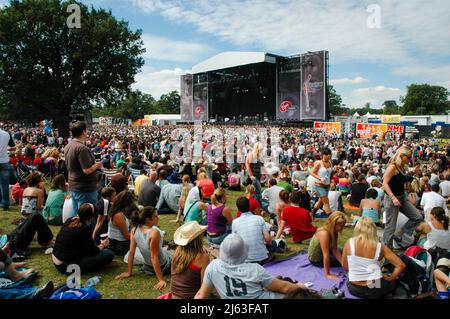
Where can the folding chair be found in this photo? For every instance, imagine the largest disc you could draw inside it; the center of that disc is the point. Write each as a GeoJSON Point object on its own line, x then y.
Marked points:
{"type": "Point", "coordinates": [108, 174]}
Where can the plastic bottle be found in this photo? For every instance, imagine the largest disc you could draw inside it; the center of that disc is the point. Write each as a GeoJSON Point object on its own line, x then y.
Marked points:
{"type": "Point", "coordinates": [93, 281]}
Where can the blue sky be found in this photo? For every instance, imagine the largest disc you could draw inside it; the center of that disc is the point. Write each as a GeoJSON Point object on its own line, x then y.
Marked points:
{"type": "Point", "coordinates": [372, 57]}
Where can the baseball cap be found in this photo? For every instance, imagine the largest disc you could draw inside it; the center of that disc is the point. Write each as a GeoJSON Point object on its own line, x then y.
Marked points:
{"type": "Point", "coordinates": [233, 250]}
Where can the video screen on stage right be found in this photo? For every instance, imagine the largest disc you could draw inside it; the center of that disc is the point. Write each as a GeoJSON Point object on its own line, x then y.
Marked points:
{"type": "Point", "coordinates": [313, 84]}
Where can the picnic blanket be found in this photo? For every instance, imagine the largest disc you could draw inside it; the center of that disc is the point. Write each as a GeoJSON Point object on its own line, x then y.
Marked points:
{"type": "Point", "coordinates": [298, 267]}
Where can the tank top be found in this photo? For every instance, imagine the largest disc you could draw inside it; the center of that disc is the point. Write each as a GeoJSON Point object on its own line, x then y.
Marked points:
{"type": "Point", "coordinates": [114, 231]}
{"type": "Point", "coordinates": [143, 245]}
{"type": "Point", "coordinates": [397, 184]}
{"type": "Point", "coordinates": [29, 205]}
{"type": "Point", "coordinates": [437, 238]}
{"type": "Point", "coordinates": [186, 284]}
{"type": "Point", "coordinates": [325, 173]}
{"type": "Point", "coordinates": [372, 213]}
{"type": "Point", "coordinates": [256, 169]}
{"type": "Point", "coordinates": [217, 223]}
{"type": "Point", "coordinates": [361, 268]}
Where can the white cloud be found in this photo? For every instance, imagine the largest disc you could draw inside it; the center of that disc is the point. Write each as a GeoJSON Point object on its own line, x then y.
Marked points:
{"type": "Point", "coordinates": [159, 82]}
{"type": "Point", "coordinates": [374, 95]}
{"type": "Point", "coordinates": [425, 72]}
{"type": "Point", "coordinates": [165, 49]}
{"type": "Point", "coordinates": [407, 28]}
{"type": "Point", "coordinates": [347, 81]}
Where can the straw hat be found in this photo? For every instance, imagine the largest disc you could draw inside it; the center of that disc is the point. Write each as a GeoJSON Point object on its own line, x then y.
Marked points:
{"type": "Point", "coordinates": [188, 232]}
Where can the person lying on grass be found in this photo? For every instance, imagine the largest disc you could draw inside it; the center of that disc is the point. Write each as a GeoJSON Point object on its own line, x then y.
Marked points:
{"type": "Point", "coordinates": [233, 278]}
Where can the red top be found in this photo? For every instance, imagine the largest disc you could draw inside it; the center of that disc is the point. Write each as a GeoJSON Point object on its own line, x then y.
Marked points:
{"type": "Point", "coordinates": [254, 205]}
{"type": "Point", "coordinates": [37, 161]}
{"type": "Point", "coordinates": [207, 187]}
{"type": "Point", "coordinates": [300, 223]}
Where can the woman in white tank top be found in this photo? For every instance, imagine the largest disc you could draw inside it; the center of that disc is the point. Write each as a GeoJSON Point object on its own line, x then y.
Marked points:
{"type": "Point", "coordinates": [361, 258]}
{"type": "Point", "coordinates": [322, 173]}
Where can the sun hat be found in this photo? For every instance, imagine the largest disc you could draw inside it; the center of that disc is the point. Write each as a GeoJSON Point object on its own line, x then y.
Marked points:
{"type": "Point", "coordinates": [188, 232]}
{"type": "Point", "coordinates": [445, 262]}
{"type": "Point", "coordinates": [233, 250]}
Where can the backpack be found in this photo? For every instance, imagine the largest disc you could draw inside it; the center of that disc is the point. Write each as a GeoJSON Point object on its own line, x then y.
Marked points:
{"type": "Point", "coordinates": [22, 171]}
{"type": "Point", "coordinates": [417, 278]}
{"type": "Point", "coordinates": [64, 292]}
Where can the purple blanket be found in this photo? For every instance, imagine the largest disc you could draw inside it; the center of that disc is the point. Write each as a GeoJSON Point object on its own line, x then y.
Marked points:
{"type": "Point", "coordinates": [300, 268]}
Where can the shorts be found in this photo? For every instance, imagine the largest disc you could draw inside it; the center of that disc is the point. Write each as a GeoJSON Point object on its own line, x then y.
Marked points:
{"type": "Point", "coordinates": [321, 191]}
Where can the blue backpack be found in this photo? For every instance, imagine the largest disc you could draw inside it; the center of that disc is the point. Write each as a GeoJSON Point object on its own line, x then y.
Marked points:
{"type": "Point", "coordinates": [64, 292]}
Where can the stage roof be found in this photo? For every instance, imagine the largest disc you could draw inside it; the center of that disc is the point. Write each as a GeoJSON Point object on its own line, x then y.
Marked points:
{"type": "Point", "coordinates": [232, 59]}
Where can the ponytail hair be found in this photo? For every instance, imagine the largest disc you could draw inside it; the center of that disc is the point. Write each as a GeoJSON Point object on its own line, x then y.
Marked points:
{"type": "Point", "coordinates": [439, 214]}
{"type": "Point", "coordinates": [140, 218]}
{"type": "Point", "coordinates": [218, 195]}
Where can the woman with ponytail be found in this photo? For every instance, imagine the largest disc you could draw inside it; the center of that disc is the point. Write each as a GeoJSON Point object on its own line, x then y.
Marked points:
{"type": "Point", "coordinates": [148, 238]}
{"type": "Point", "coordinates": [436, 231]}
{"type": "Point", "coordinates": [219, 218]}
{"type": "Point", "coordinates": [184, 194]}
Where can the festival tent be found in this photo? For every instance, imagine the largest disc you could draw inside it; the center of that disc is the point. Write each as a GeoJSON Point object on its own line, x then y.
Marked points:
{"type": "Point", "coordinates": [356, 115]}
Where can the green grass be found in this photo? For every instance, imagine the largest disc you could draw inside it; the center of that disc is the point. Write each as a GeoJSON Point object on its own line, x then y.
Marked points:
{"type": "Point", "coordinates": [139, 286]}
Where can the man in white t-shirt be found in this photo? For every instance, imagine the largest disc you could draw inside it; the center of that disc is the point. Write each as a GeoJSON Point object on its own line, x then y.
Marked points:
{"type": "Point", "coordinates": [431, 200]}
{"type": "Point", "coordinates": [234, 279]}
{"type": "Point", "coordinates": [197, 150]}
{"type": "Point", "coordinates": [272, 196]}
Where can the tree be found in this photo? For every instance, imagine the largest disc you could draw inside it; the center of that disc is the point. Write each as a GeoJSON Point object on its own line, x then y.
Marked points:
{"type": "Point", "coordinates": [169, 103]}
{"type": "Point", "coordinates": [334, 101]}
{"type": "Point", "coordinates": [422, 99]}
{"type": "Point", "coordinates": [391, 107]}
{"type": "Point", "coordinates": [48, 70]}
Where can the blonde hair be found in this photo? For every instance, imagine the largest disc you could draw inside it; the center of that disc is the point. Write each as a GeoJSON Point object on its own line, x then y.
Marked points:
{"type": "Point", "coordinates": [335, 218]}
{"type": "Point", "coordinates": [201, 176]}
{"type": "Point", "coordinates": [415, 186]}
{"type": "Point", "coordinates": [258, 150]}
{"type": "Point", "coordinates": [397, 159]}
{"type": "Point", "coordinates": [366, 231]}
{"type": "Point", "coordinates": [218, 195]}
{"type": "Point", "coordinates": [184, 255]}
{"type": "Point", "coordinates": [376, 183]}
{"type": "Point", "coordinates": [250, 189]}
{"type": "Point", "coordinates": [185, 190]}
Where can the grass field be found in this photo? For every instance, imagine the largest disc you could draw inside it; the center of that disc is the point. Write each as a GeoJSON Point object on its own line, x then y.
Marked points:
{"type": "Point", "coordinates": [139, 286]}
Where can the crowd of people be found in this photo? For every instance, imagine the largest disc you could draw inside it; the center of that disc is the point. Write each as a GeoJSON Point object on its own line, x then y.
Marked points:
{"type": "Point", "coordinates": [108, 185]}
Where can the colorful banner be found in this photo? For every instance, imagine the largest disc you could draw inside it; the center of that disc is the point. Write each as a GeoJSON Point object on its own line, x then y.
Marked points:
{"type": "Point", "coordinates": [396, 128]}
{"type": "Point", "coordinates": [313, 86]}
{"type": "Point", "coordinates": [186, 98]}
{"type": "Point", "coordinates": [328, 127]}
{"type": "Point", "coordinates": [391, 118]}
{"type": "Point", "coordinates": [288, 94]}
{"type": "Point", "coordinates": [365, 130]}
{"type": "Point", "coordinates": [141, 122]}
{"type": "Point", "coordinates": [200, 106]}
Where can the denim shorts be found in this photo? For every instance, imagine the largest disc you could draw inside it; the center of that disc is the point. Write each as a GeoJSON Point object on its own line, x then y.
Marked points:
{"type": "Point", "coordinates": [321, 191]}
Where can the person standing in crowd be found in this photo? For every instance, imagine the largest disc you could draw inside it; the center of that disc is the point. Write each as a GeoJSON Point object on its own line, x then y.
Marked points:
{"type": "Point", "coordinates": [254, 164]}
{"type": "Point", "coordinates": [6, 143]}
{"type": "Point", "coordinates": [394, 181]}
{"type": "Point", "coordinates": [322, 172]}
{"type": "Point", "coordinates": [82, 168]}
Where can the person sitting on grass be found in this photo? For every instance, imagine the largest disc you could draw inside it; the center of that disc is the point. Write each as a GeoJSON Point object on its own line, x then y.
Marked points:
{"type": "Point", "coordinates": [148, 238]}
{"type": "Point", "coordinates": [74, 244]}
{"type": "Point", "coordinates": [34, 195]}
{"type": "Point", "coordinates": [436, 233]}
{"type": "Point", "coordinates": [370, 207]}
{"type": "Point", "coordinates": [323, 249]}
{"type": "Point", "coordinates": [13, 273]}
{"type": "Point", "coordinates": [194, 210]}
{"type": "Point", "coordinates": [254, 230]}
{"type": "Point", "coordinates": [255, 207]}
{"type": "Point", "coordinates": [187, 186]}
{"type": "Point", "coordinates": [53, 206]}
{"type": "Point", "coordinates": [219, 218]}
{"type": "Point", "coordinates": [102, 208]}
{"type": "Point", "coordinates": [189, 261]}
{"type": "Point", "coordinates": [442, 279]}
{"type": "Point", "coordinates": [283, 201]}
{"type": "Point", "coordinates": [299, 220]}
{"type": "Point", "coordinates": [233, 278]}
{"type": "Point", "coordinates": [361, 258]}
{"type": "Point", "coordinates": [119, 224]}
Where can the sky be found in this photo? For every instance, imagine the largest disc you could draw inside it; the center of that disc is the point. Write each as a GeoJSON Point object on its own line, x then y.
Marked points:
{"type": "Point", "coordinates": [376, 48]}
